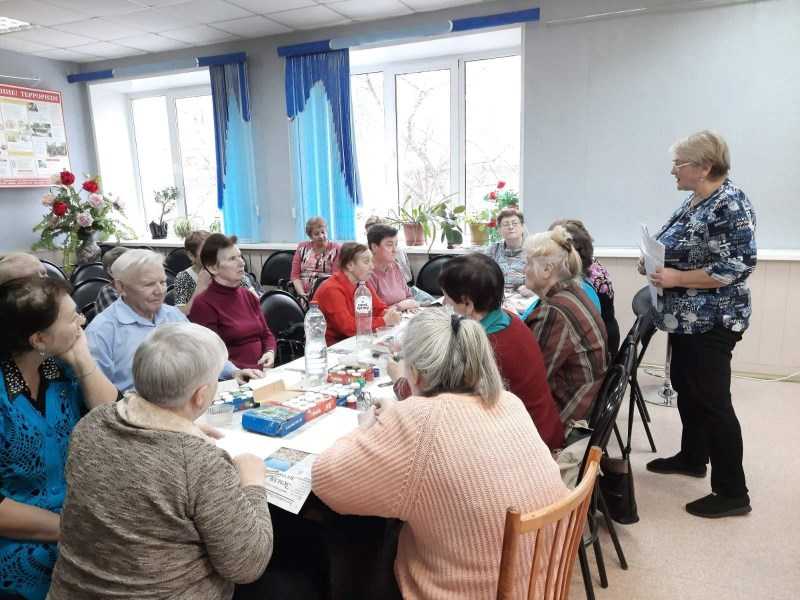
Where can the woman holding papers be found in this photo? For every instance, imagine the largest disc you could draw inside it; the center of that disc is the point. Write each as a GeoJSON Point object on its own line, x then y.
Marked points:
{"type": "Point", "coordinates": [447, 461]}
{"type": "Point", "coordinates": [710, 250]}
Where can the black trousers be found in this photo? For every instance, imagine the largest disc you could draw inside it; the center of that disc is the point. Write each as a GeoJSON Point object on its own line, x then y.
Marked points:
{"type": "Point", "coordinates": [701, 374]}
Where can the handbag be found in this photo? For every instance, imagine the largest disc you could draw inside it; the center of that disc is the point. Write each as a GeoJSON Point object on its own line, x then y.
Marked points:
{"type": "Point", "coordinates": [616, 486]}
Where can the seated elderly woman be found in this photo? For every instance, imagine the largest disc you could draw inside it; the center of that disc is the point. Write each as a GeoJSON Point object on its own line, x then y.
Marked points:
{"type": "Point", "coordinates": [448, 462]}
{"type": "Point", "coordinates": [336, 296]}
{"type": "Point", "coordinates": [154, 509]}
{"type": "Point", "coordinates": [508, 252]}
{"type": "Point", "coordinates": [566, 323]}
{"type": "Point", "coordinates": [387, 277]}
{"type": "Point", "coordinates": [115, 334]}
{"type": "Point", "coordinates": [595, 277]}
{"type": "Point", "coordinates": [314, 259]}
{"type": "Point", "coordinates": [16, 265]}
{"type": "Point", "coordinates": [48, 379]}
{"type": "Point", "coordinates": [230, 310]}
{"type": "Point", "coordinates": [473, 285]}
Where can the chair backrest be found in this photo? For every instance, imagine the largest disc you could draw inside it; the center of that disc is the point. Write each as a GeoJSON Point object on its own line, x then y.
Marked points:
{"type": "Point", "coordinates": [428, 276]}
{"type": "Point", "coordinates": [88, 271]}
{"type": "Point", "coordinates": [86, 291]}
{"type": "Point", "coordinates": [53, 270]}
{"type": "Point", "coordinates": [171, 275]}
{"type": "Point", "coordinates": [642, 303]}
{"type": "Point", "coordinates": [177, 260]}
{"type": "Point", "coordinates": [89, 312]}
{"type": "Point", "coordinates": [169, 297]}
{"type": "Point", "coordinates": [281, 311]}
{"type": "Point", "coordinates": [277, 268]}
{"type": "Point", "coordinates": [317, 284]}
{"type": "Point", "coordinates": [551, 568]}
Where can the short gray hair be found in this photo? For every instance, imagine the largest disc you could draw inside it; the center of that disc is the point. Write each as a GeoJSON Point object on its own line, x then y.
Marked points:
{"type": "Point", "coordinates": [129, 263]}
{"type": "Point", "coordinates": [175, 360]}
{"type": "Point", "coordinates": [452, 355]}
{"type": "Point", "coordinates": [110, 257]}
{"type": "Point", "coordinates": [705, 148]}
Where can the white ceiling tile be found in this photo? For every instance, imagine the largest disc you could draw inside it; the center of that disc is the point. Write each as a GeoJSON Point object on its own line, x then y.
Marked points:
{"type": "Point", "coordinates": [371, 9]}
{"type": "Point", "coordinates": [265, 7]}
{"type": "Point", "coordinates": [50, 37]}
{"type": "Point", "coordinates": [201, 34]}
{"type": "Point", "coordinates": [153, 20]}
{"type": "Point", "coordinates": [309, 18]}
{"type": "Point", "coordinates": [151, 42]}
{"type": "Point", "coordinates": [424, 5]}
{"type": "Point", "coordinates": [205, 11]}
{"type": "Point", "coordinates": [107, 50]}
{"type": "Point", "coordinates": [63, 54]}
{"type": "Point", "coordinates": [20, 45]}
{"type": "Point", "coordinates": [39, 13]}
{"type": "Point", "coordinates": [250, 27]}
{"type": "Point", "coordinates": [99, 28]}
{"type": "Point", "coordinates": [156, 3]}
{"type": "Point", "coordinates": [98, 8]}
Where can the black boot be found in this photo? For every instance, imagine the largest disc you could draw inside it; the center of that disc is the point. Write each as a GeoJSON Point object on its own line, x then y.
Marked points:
{"type": "Point", "coordinates": [715, 506]}
{"type": "Point", "coordinates": [674, 465]}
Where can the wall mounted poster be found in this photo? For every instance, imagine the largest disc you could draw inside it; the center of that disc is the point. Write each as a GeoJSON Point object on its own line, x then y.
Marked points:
{"type": "Point", "coordinates": [33, 142]}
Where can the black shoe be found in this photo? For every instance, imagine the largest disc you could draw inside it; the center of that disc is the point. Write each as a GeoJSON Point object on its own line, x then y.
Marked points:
{"type": "Point", "coordinates": [675, 466]}
{"type": "Point", "coordinates": [715, 506]}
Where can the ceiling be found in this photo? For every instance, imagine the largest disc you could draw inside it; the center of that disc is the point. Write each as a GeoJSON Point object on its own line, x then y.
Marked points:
{"type": "Point", "coordinates": [89, 30]}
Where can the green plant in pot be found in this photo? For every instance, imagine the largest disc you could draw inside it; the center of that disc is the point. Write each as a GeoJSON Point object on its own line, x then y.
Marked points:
{"type": "Point", "coordinates": [415, 218]}
{"type": "Point", "coordinates": [167, 198]}
{"type": "Point", "coordinates": [449, 220]}
{"type": "Point", "coordinates": [480, 225]}
{"type": "Point", "coordinates": [182, 227]}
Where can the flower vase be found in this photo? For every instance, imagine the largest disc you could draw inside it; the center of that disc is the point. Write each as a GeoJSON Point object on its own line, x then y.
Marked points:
{"type": "Point", "coordinates": [88, 251]}
{"type": "Point", "coordinates": [158, 230]}
{"type": "Point", "coordinates": [414, 234]}
{"type": "Point", "coordinates": [479, 234]}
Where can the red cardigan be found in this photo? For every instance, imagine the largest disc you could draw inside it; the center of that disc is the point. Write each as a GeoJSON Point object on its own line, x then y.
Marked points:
{"type": "Point", "coordinates": [336, 301]}
{"type": "Point", "coordinates": [235, 315]}
{"type": "Point", "coordinates": [521, 366]}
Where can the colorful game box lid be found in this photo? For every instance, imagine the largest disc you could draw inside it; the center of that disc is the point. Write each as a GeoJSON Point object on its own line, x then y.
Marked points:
{"type": "Point", "coordinates": [273, 420]}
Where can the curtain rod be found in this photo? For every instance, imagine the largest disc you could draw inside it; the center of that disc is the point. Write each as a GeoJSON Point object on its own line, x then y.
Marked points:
{"type": "Point", "coordinates": [35, 79]}
{"type": "Point", "coordinates": [192, 62]}
{"type": "Point", "coordinates": [676, 7]}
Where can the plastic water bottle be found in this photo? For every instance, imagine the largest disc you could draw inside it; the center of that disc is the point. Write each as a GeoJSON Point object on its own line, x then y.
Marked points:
{"type": "Point", "coordinates": [316, 352]}
{"type": "Point", "coordinates": [363, 305]}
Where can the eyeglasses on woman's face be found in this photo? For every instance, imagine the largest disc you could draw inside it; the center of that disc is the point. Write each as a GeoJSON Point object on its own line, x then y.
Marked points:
{"type": "Point", "coordinates": [513, 224]}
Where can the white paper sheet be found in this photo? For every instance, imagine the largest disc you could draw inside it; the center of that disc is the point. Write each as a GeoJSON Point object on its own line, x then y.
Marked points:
{"type": "Point", "coordinates": [320, 434]}
{"type": "Point", "coordinates": [653, 254]}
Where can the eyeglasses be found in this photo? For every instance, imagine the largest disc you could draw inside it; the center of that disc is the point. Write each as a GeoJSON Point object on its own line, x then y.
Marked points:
{"type": "Point", "coordinates": [679, 166]}
{"type": "Point", "coordinates": [510, 224]}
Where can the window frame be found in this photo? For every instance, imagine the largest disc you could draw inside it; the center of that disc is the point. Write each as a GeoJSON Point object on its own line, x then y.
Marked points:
{"type": "Point", "coordinates": [456, 63]}
{"type": "Point", "coordinates": [170, 95]}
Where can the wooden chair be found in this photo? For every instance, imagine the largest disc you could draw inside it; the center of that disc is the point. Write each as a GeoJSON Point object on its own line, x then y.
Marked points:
{"type": "Point", "coordinates": [569, 517]}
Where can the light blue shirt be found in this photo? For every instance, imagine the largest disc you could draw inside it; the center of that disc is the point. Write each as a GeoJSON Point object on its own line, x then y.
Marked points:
{"type": "Point", "coordinates": [115, 334]}
{"type": "Point", "coordinates": [587, 287]}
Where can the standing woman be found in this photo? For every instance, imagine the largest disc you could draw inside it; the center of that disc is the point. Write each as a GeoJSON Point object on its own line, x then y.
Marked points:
{"type": "Point", "coordinates": [48, 379]}
{"type": "Point", "coordinates": [314, 259]}
{"type": "Point", "coordinates": [705, 308]}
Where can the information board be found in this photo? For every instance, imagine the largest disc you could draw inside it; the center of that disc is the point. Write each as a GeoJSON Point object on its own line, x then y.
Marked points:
{"type": "Point", "coordinates": [33, 142]}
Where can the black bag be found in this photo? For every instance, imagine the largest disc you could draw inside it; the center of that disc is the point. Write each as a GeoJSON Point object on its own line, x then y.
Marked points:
{"type": "Point", "coordinates": [616, 485]}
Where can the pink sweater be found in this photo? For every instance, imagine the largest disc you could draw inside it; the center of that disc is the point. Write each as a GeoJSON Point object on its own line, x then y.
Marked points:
{"type": "Point", "coordinates": [449, 467]}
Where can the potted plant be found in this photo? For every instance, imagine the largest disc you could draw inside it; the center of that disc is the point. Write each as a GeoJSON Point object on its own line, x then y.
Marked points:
{"type": "Point", "coordinates": [415, 220]}
{"type": "Point", "coordinates": [448, 219]}
{"type": "Point", "coordinates": [480, 224]}
{"type": "Point", "coordinates": [82, 221]}
{"type": "Point", "coordinates": [183, 226]}
{"type": "Point", "coordinates": [166, 198]}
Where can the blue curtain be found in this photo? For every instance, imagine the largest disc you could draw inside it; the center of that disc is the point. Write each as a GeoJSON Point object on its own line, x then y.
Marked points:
{"type": "Point", "coordinates": [236, 188]}
{"type": "Point", "coordinates": [321, 134]}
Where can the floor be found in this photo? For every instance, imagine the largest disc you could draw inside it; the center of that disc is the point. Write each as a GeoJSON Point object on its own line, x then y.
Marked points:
{"type": "Point", "coordinates": [673, 555]}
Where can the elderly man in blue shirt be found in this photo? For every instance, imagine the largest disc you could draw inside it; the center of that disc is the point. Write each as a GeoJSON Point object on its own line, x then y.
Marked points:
{"type": "Point", "coordinates": [115, 334]}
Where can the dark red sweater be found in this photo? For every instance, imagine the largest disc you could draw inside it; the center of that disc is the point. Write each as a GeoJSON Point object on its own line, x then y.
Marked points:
{"type": "Point", "coordinates": [521, 366]}
{"type": "Point", "coordinates": [235, 315]}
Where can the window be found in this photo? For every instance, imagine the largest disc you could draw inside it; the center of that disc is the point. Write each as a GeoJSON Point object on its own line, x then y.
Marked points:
{"type": "Point", "coordinates": [437, 127]}
{"type": "Point", "coordinates": [174, 146]}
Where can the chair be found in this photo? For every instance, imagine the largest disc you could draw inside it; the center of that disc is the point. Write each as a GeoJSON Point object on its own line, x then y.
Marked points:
{"type": "Point", "coordinates": [277, 269]}
{"type": "Point", "coordinates": [53, 270]}
{"type": "Point", "coordinates": [428, 277]}
{"type": "Point", "coordinates": [88, 271]}
{"type": "Point", "coordinates": [89, 312]}
{"type": "Point", "coordinates": [177, 260]}
{"type": "Point", "coordinates": [85, 293]}
{"type": "Point", "coordinates": [568, 515]}
{"type": "Point", "coordinates": [285, 318]}
{"type": "Point", "coordinates": [317, 284]}
{"type": "Point", "coordinates": [169, 297]}
{"type": "Point", "coordinates": [602, 421]}
{"type": "Point", "coordinates": [171, 275]}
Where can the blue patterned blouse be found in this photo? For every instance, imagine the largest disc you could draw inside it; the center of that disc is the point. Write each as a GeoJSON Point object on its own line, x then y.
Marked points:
{"type": "Point", "coordinates": [718, 236]}
{"type": "Point", "coordinates": [34, 437]}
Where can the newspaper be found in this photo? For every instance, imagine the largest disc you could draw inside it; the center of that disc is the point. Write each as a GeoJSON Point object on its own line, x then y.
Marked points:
{"type": "Point", "coordinates": [288, 479]}
{"type": "Point", "coordinates": [653, 254]}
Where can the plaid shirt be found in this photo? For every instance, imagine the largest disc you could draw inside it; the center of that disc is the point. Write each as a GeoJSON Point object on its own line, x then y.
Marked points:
{"type": "Point", "coordinates": [572, 337]}
{"type": "Point", "coordinates": [105, 297]}
{"type": "Point", "coordinates": [718, 236]}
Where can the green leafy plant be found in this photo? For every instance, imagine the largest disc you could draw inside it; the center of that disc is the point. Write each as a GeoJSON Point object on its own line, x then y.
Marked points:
{"type": "Point", "coordinates": [215, 226]}
{"type": "Point", "coordinates": [74, 218]}
{"type": "Point", "coordinates": [167, 198]}
{"type": "Point", "coordinates": [431, 216]}
{"type": "Point", "coordinates": [183, 227]}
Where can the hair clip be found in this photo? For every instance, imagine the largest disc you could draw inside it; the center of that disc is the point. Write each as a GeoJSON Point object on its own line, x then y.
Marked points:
{"type": "Point", "coordinates": [455, 322]}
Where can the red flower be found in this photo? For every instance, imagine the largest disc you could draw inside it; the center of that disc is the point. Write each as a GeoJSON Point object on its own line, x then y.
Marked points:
{"type": "Point", "coordinates": [60, 208]}
{"type": "Point", "coordinates": [492, 195]}
{"type": "Point", "coordinates": [492, 223]}
{"type": "Point", "coordinates": [91, 186]}
{"type": "Point", "coordinates": [501, 185]}
{"type": "Point", "coordinates": [67, 178]}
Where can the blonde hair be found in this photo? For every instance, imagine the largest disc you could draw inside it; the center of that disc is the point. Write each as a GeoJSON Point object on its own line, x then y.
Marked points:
{"type": "Point", "coordinates": [452, 355]}
{"type": "Point", "coordinates": [313, 223]}
{"type": "Point", "coordinates": [557, 248]}
{"type": "Point", "coordinates": [705, 148]}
